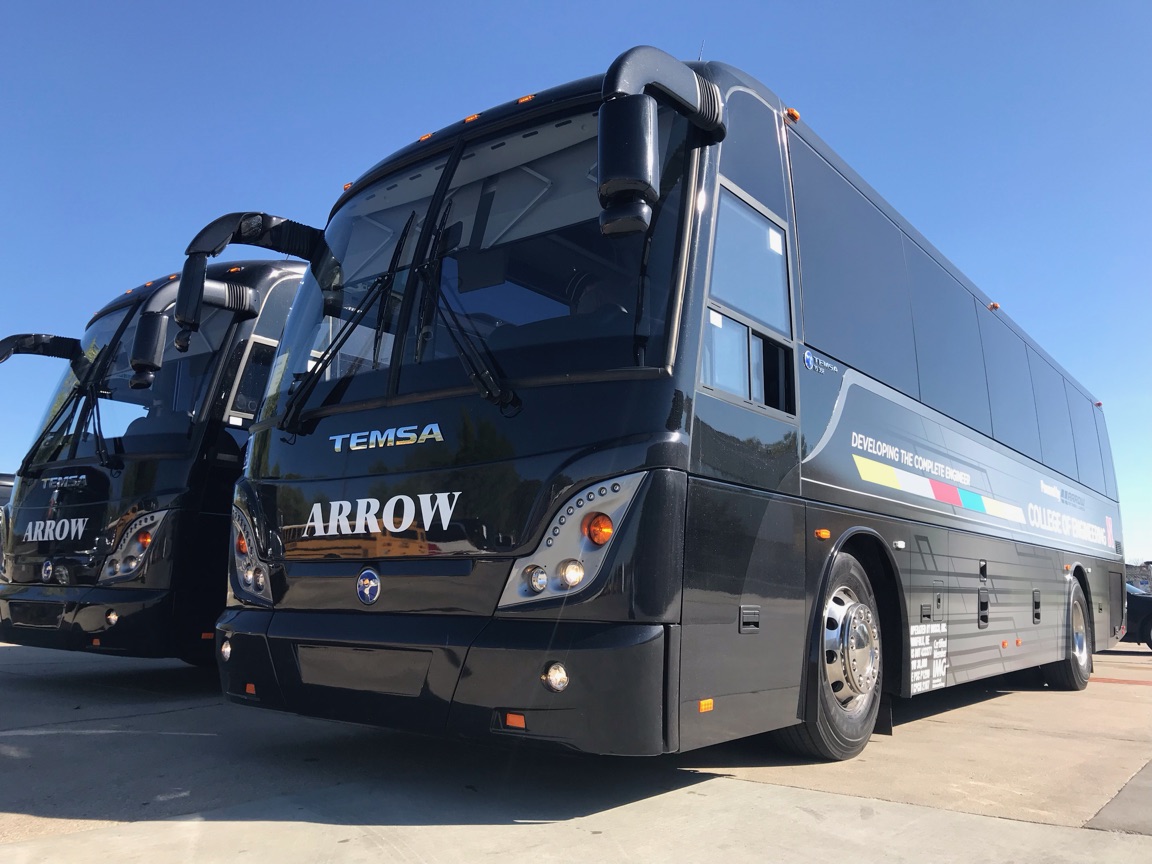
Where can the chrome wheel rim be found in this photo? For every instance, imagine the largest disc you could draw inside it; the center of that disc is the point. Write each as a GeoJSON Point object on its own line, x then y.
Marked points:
{"type": "Point", "coordinates": [851, 650]}
{"type": "Point", "coordinates": [1079, 635]}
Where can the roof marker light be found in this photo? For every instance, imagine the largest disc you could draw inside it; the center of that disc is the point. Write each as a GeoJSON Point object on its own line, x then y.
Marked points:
{"type": "Point", "coordinates": [235, 269]}
{"type": "Point", "coordinates": [471, 117]}
{"type": "Point", "coordinates": [792, 114]}
{"type": "Point", "coordinates": [527, 98]}
{"type": "Point", "coordinates": [425, 136]}
{"type": "Point", "coordinates": [347, 186]}
{"type": "Point", "coordinates": [993, 306]}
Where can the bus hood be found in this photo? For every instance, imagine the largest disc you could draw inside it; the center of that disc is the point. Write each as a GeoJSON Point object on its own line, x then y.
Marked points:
{"type": "Point", "coordinates": [440, 501]}
{"type": "Point", "coordinates": [77, 515]}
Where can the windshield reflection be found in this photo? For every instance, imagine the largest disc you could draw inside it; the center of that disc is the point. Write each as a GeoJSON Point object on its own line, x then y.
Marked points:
{"type": "Point", "coordinates": [517, 281]}
{"type": "Point", "coordinates": [94, 409]}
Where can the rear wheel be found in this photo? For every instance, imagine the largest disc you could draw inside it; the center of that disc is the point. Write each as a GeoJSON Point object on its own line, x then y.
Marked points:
{"type": "Point", "coordinates": [851, 669]}
{"type": "Point", "coordinates": [1073, 671]}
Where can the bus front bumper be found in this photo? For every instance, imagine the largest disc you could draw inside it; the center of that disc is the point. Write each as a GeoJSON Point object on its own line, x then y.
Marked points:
{"type": "Point", "coordinates": [124, 621]}
{"type": "Point", "coordinates": [460, 675]}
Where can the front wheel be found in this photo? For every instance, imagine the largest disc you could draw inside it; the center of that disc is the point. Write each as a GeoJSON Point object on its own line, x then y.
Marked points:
{"type": "Point", "coordinates": [1073, 671]}
{"type": "Point", "coordinates": [851, 669]}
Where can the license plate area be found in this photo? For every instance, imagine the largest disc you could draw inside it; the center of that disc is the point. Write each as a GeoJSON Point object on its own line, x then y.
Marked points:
{"type": "Point", "coordinates": [27, 613]}
{"type": "Point", "coordinates": [394, 671]}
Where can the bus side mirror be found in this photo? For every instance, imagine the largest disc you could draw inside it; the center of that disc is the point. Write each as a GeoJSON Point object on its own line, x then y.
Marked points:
{"type": "Point", "coordinates": [628, 166]}
{"type": "Point", "coordinates": [148, 349]}
{"type": "Point", "coordinates": [190, 298]}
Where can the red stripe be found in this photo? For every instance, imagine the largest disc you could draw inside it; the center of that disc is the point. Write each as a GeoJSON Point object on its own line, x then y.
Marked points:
{"type": "Point", "coordinates": [1121, 681]}
{"type": "Point", "coordinates": [944, 492]}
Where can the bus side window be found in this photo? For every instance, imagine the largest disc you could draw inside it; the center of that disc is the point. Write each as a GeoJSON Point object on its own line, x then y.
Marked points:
{"type": "Point", "coordinates": [746, 352]}
{"type": "Point", "coordinates": [254, 378]}
{"type": "Point", "coordinates": [257, 363]}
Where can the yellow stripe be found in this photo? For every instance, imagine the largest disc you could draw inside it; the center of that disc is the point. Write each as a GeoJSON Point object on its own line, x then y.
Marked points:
{"type": "Point", "coordinates": [876, 472]}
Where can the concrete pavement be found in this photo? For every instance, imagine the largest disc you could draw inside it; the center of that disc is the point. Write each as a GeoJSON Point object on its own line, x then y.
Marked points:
{"type": "Point", "coordinates": [130, 760]}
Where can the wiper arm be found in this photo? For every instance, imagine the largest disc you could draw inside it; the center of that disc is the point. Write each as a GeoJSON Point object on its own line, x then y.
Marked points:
{"type": "Point", "coordinates": [69, 404]}
{"type": "Point", "coordinates": [106, 459]}
{"type": "Point", "coordinates": [481, 373]}
{"type": "Point", "coordinates": [294, 405]}
{"type": "Point", "coordinates": [430, 274]}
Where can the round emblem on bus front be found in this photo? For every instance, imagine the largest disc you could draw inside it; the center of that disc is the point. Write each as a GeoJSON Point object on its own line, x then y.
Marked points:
{"type": "Point", "coordinates": [368, 586]}
{"type": "Point", "coordinates": [46, 571]}
{"type": "Point", "coordinates": [809, 360]}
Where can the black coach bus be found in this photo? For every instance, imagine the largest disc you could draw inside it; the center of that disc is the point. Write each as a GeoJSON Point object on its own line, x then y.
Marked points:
{"type": "Point", "coordinates": [116, 537]}
{"type": "Point", "coordinates": [627, 417]}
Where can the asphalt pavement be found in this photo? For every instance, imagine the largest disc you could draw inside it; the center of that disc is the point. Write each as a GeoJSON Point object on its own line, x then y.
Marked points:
{"type": "Point", "coordinates": [132, 760]}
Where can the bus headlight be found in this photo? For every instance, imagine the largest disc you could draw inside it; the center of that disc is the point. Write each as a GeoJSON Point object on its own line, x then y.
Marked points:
{"type": "Point", "coordinates": [571, 573]}
{"type": "Point", "coordinates": [131, 551]}
{"type": "Point", "coordinates": [574, 545]}
{"type": "Point", "coordinates": [251, 583]}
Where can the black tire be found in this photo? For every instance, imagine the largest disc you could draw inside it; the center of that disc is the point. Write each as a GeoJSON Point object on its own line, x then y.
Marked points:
{"type": "Point", "coordinates": [1073, 671]}
{"type": "Point", "coordinates": [850, 669]}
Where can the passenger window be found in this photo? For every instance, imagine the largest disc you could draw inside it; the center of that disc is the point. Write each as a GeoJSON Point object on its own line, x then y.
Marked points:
{"type": "Point", "coordinates": [1106, 456]}
{"type": "Point", "coordinates": [1089, 467]}
{"type": "Point", "coordinates": [949, 357]}
{"type": "Point", "coordinates": [1009, 386]}
{"type": "Point", "coordinates": [1056, 442]}
{"type": "Point", "coordinates": [853, 277]}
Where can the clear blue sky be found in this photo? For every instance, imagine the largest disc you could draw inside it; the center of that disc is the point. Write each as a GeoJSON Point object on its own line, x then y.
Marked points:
{"type": "Point", "coordinates": [1017, 136]}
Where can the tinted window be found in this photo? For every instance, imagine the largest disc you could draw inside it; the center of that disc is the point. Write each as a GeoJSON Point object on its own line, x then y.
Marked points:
{"type": "Point", "coordinates": [740, 361]}
{"type": "Point", "coordinates": [750, 154]}
{"type": "Point", "coordinates": [275, 309]}
{"type": "Point", "coordinates": [725, 365]}
{"type": "Point", "coordinates": [749, 271]}
{"type": "Point", "coordinates": [1089, 466]}
{"type": "Point", "coordinates": [255, 377]}
{"type": "Point", "coordinates": [948, 352]}
{"type": "Point", "coordinates": [1056, 442]}
{"type": "Point", "coordinates": [1009, 386]}
{"type": "Point", "coordinates": [1106, 456]}
{"type": "Point", "coordinates": [852, 274]}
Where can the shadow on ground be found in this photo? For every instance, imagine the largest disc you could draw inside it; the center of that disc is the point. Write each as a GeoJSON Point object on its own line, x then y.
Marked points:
{"type": "Point", "coordinates": [116, 740]}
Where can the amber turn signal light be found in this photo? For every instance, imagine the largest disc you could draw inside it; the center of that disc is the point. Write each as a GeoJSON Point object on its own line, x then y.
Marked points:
{"type": "Point", "coordinates": [598, 528]}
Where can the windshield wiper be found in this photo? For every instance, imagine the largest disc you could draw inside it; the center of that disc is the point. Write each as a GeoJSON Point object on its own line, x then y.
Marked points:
{"type": "Point", "coordinates": [481, 372]}
{"type": "Point", "coordinates": [99, 442]}
{"type": "Point", "coordinates": [294, 405]}
{"type": "Point", "coordinates": [429, 273]}
{"type": "Point", "coordinates": [69, 404]}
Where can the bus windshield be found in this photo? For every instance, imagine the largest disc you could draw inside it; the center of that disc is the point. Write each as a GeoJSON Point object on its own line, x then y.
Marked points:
{"type": "Point", "coordinates": [95, 409]}
{"type": "Point", "coordinates": [516, 273]}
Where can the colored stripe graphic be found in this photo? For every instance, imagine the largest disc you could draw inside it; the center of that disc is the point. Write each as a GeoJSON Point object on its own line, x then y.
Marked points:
{"type": "Point", "coordinates": [892, 477]}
